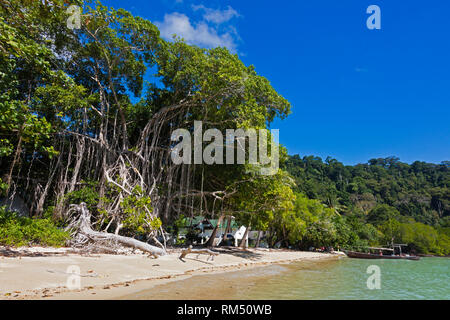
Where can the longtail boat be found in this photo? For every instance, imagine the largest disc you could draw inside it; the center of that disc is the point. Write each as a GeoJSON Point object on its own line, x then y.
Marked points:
{"type": "Point", "coordinates": [383, 253]}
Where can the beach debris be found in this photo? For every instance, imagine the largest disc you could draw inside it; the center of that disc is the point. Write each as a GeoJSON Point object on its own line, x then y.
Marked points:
{"type": "Point", "coordinates": [92, 275]}
{"type": "Point", "coordinates": [211, 254]}
{"type": "Point", "coordinates": [46, 293]}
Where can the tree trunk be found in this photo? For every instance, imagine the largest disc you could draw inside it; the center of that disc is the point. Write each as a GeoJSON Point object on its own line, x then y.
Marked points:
{"type": "Point", "coordinates": [13, 163]}
{"type": "Point", "coordinates": [118, 227]}
{"type": "Point", "coordinates": [84, 227]}
{"type": "Point", "coordinates": [257, 240]}
{"type": "Point", "coordinates": [244, 238]}
{"type": "Point", "coordinates": [210, 242]}
{"type": "Point", "coordinates": [79, 156]}
{"type": "Point", "coordinates": [40, 205]}
{"type": "Point", "coordinates": [227, 230]}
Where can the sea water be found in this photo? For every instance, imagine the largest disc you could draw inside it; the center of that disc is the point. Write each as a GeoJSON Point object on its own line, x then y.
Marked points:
{"type": "Point", "coordinates": [342, 279]}
{"type": "Point", "coordinates": [347, 279]}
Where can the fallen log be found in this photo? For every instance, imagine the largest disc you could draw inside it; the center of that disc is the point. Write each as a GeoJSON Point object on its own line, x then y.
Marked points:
{"type": "Point", "coordinates": [189, 250]}
{"type": "Point", "coordinates": [82, 225]}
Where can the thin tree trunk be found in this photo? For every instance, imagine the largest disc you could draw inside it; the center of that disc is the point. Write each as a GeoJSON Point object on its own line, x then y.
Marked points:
{"type": "Point", "coordinates": [40, 205]}
{"type": "Point", "coordinates": [79, 156]}
{"type": "Point", "coordinates": [13, 164]}
{"type": "Point", "coordinates": [118, 227]}
{"type": "Point", "coordinates": [228, 229]}
{"type": "Point", "coordinates": [210, 242]}
{"type": "Point", "coordinates": [244, 238]}
{"type": "Point", "coordinates": [257, 240]}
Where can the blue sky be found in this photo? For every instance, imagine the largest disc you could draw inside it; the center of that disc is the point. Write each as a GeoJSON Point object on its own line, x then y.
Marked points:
{"type": "Point", "coordinates": [356, 93]}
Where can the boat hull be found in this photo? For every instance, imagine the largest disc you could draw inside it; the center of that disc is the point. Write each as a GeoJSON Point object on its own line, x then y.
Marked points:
{"type": "Point", "coordinates": [361, 255]}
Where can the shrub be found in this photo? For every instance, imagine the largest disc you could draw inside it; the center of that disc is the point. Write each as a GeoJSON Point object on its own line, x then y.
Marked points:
{"type": "Point", "coordinates": [21, 231]}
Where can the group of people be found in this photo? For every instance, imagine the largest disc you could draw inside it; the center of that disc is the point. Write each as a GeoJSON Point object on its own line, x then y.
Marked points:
{"type": "Point", "coordinates": [323, 249]}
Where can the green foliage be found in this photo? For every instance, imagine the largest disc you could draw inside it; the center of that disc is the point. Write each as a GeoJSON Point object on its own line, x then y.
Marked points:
{"type": "Point", "coordinates": [180, 242]}
{"type": "Point", "coordinates": [382, 213]}
{"type": "Point", "coordinates": [22, 57]}
{"type": "Point", "coordinates": [87, 193]}
{"type": "Point", "coordinates": [179, 223]}
{"type": "Point", "coordinates": [313, 224]}
{"type": "Point", "coordinates": [22, 231]}
{"type": "Point", "coordinates": [422, 238]}
{"type": "Point", "coordinates": [3, 187]}
{"type": "Point", "coordinates": [261, 198]}
{"type": "Point", "coordinates": [137, 209]}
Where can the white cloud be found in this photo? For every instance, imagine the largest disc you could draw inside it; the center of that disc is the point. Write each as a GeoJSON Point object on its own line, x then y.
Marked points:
{"type": "Point", "coordinates": [200, 34]}
{"type": "Point", "coordinates": [217, 16]}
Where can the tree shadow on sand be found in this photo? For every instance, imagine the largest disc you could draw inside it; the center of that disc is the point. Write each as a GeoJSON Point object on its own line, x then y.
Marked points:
{"type": "Point", "coordinates": [12, 253]}
{"type": "Point", "coordinates": [239, 252]}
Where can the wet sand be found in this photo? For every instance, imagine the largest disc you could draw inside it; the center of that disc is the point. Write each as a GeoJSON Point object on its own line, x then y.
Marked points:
{"type": "Point", "coordinates": [233, 285]}
{"type": "Point", "coordinates": [43, 273]}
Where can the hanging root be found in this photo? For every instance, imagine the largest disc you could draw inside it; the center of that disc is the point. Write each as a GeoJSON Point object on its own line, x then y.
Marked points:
{"type": "Point", "coordinates": [84, 236]}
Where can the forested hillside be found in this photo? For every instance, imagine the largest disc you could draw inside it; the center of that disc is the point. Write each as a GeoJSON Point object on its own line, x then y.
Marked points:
{"type": "Point", "coordinates": [415, 196]}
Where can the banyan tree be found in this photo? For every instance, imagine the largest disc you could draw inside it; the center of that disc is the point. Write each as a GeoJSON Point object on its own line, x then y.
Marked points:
{"type": "Point", "coordinates": [88, 115]}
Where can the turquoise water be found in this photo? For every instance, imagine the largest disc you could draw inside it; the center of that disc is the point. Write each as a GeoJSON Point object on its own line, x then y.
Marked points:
{"type": "Point", "coordinates": [346, 279]}
{"type": "Point", "coordinates": [343, 279]}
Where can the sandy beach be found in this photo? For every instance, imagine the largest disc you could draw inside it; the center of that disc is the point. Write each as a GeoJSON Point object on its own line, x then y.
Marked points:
{"type": "Point", "coordinates": [45, 273]}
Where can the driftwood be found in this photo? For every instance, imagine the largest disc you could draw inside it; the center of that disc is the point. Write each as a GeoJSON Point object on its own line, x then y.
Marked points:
{"type": "Point", "coordinates": [189, 250]}
{"type": "Point", "coordinates": [82, 233]}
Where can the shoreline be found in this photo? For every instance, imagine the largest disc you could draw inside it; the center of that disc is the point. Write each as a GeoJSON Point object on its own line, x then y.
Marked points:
{"type": "Point", "coordinates": [41, 273]}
